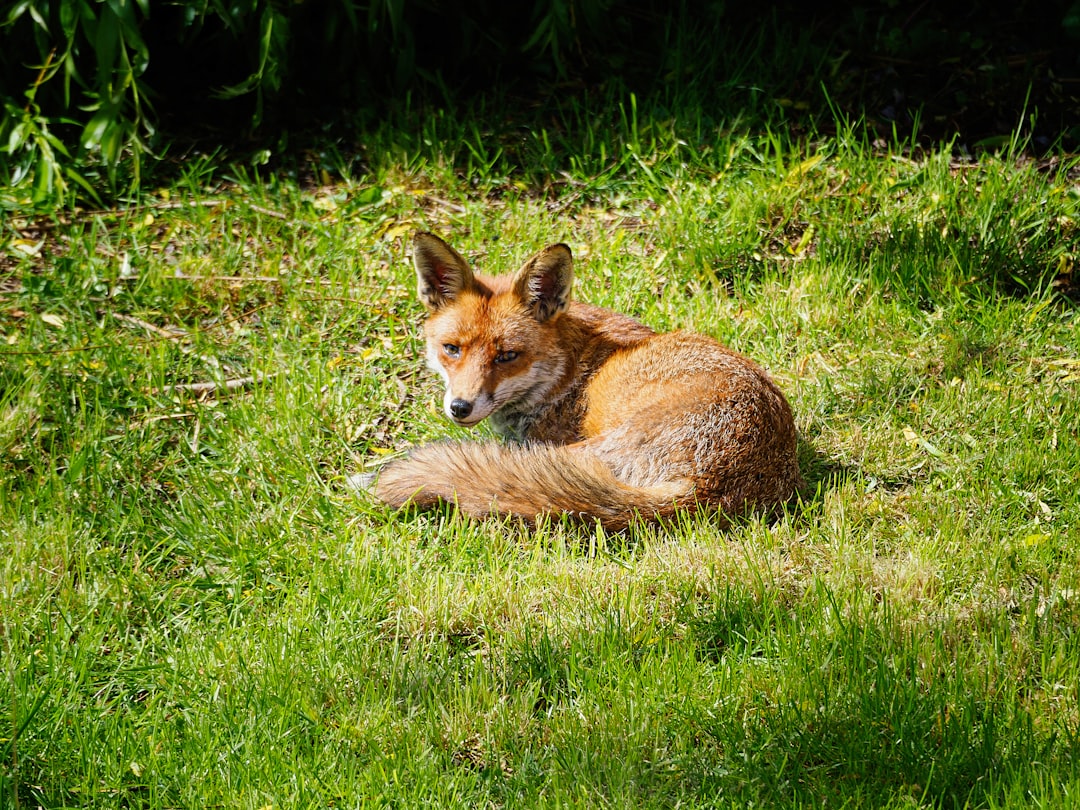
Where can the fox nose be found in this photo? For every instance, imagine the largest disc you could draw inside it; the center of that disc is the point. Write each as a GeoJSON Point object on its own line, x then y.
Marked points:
{"type": "Point", "coordinates": [460, 408]}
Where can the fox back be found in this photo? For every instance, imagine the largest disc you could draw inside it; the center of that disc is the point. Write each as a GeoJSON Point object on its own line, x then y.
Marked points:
{"type": "Point", "coordinates": [606, 419]}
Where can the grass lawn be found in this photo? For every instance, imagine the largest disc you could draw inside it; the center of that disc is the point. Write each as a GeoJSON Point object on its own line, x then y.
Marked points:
{"type": "Point", "coordinates": [197, 612]}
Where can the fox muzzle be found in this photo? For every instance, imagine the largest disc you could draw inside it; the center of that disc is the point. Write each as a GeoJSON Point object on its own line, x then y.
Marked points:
{"type": "Point", "coordinates": [460, 408]}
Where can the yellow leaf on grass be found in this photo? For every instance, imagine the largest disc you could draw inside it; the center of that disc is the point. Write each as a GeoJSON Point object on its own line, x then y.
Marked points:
{"type": "Point", "coordinates": [911, 437]}
{"type": "Point", "coordinates": [804, 167]}
{"type": "Point", "coordinates": [27, 247]}
{"type": "Point", "coordinates": [398, 230]}
{"type": "Point", "coordinates": [53, 320]}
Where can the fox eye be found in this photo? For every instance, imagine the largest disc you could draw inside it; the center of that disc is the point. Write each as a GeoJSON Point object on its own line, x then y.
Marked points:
{"type": "Point", "coordinates": [451, 349]}
{"type": "Point", "coordinates": [506, 357]}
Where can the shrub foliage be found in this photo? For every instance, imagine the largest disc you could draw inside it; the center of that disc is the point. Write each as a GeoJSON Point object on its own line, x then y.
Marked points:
{"type": "Point", "coordinates": [89, 88]}
{"type": "Point", "coordinates": [95, 78]}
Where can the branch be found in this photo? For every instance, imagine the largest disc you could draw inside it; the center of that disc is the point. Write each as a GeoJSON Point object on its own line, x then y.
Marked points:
{"type": "Point", "coordinates": [204, 390]}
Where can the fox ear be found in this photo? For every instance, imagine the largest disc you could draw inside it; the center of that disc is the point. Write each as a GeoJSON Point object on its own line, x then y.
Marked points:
{"type": "Point", "coordinates": [441, 273]}
{"type": "Point", "coordinates": [544, 282]}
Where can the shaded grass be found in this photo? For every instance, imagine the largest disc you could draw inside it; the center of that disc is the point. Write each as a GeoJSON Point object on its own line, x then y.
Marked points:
{"type": "Point", "coordinates": [197, 611]}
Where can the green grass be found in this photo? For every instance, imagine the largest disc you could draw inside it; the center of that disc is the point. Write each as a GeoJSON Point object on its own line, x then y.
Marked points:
{"type": "Point", "coordinates": [197, 611]}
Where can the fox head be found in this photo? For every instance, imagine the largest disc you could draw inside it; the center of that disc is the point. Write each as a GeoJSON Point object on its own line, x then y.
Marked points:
{"type": "Point", "coordinates": [493, 340]}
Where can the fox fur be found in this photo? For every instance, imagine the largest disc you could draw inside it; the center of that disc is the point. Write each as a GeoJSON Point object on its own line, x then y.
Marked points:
{"type": "Point", "coordinates": [604, 419]}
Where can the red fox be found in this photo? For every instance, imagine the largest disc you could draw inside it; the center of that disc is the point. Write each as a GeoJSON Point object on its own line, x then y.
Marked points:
{"type": "Point", "coordinates": [606, 419]}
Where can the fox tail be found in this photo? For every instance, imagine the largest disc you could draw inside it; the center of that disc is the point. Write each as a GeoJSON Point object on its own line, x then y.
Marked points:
{"type": "Point", "coordinates": [524, 480]}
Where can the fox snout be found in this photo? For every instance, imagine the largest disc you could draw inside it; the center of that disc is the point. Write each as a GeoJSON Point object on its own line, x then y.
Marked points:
{"type": "Point", "coordinates": [460, 408]}
{"type": "Point", "coordinates": [465, 411]}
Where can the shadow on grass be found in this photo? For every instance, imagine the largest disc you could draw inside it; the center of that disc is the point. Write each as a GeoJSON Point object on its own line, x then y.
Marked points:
{"type": "Point", "coordinates": [894, 713]}
{"type": "Point", "coordinates": [822, 474]}
{"type": "Point", "coordinates": [859, 706]}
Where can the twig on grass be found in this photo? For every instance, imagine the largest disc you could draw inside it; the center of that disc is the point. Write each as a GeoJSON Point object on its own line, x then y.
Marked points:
{"type": "Point", "coordinates": [173, 334]}
{"type": "Point", "coordinates": [204, 390]}
{"type": "Point", "coordinates": [439, 202]}
{"type": "Point", "coordinates": [272, 213]}
{"type": "Point", "coordinates": [265, 279]}
{"type": "Point", "coordinates": [194, 442]}
{"type": "Point", "coordinates": [170, 205]}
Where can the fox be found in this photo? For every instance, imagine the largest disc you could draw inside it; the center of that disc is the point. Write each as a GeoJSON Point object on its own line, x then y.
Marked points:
{"type": "Point", "coordinates": [602, 418]}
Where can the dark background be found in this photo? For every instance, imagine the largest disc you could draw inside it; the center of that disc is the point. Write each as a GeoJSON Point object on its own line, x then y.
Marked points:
{"type": "Point", "coordinates": [969, 74]}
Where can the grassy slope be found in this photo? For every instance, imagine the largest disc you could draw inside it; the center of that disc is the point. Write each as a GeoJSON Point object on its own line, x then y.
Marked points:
{"type": "Point", "coordinates": [196, 612]}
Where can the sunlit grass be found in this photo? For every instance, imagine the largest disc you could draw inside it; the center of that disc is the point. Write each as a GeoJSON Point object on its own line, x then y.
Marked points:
{"type": "Point", "coordinates": [197, 611]}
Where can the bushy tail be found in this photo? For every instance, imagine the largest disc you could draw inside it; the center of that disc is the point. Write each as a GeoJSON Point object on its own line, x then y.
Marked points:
{"type": "Point", "coordinates": [526, 480]}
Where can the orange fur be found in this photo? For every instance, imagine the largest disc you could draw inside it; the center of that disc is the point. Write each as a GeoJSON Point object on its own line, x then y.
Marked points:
{"type": "Point", "coordinates": [607, 420]}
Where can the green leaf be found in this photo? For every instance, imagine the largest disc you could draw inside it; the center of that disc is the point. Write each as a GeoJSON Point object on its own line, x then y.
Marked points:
{"type": "Point", "coordinates": [52, 140]}
{"type": "Point", "coordinates": [83, 183]}
{"type": "Point", "coordinates": [253, 81]}
{"type": "Point", "coordinates": [105, 46]}
{"type": "Point", "coordinates": [369, 196]}
{"type": "Point", "coordinates": [17, 11]}
{"type": "Point", "coordinates": [69, 17]}
{"type": "Point", "coordinates": [36, 16]}
{"type": "Point", "coordinates": [43, 180]}
{"type": "Point", "coordinates": [112, 143]}
{"type": "Point", "coordinates": [17, 137]}
{"type": "Point", "coordinates": [94, 131]}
